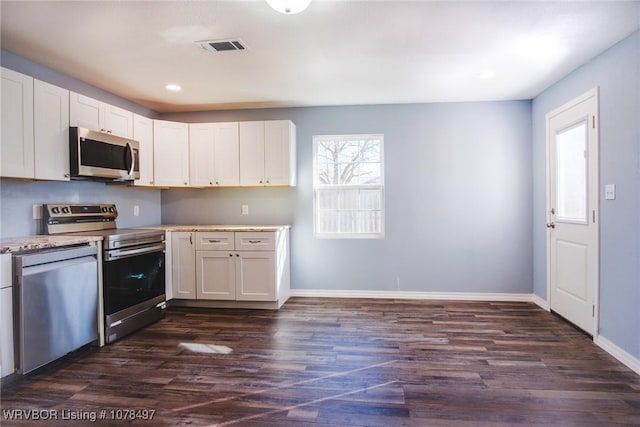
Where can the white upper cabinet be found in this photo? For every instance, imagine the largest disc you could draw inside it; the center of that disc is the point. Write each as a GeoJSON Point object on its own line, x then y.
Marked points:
{"type": "Point", "coordinates": [267, 153]}
{"type": "Point", "coordinates": [143, 133]}
{"type": "Point", "coordinates": [214, 154]}
{"type": "Point", "coordinates": [51, 131]}
{"type": "Point", "coordinates": [280, 152]}
{"type": "Point", "coordinates": [170, 153]}
{"type": "Point", "coordinates": [96, 115]}
{"type": "Point", "coordinates": [17, 125]}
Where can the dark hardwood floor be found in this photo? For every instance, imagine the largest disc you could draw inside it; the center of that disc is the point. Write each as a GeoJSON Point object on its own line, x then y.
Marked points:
{"type": "Point", "coordinates": [340, 363]}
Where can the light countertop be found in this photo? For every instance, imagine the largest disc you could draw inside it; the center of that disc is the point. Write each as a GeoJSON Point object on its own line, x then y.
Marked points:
{"type": "Point", "coordinates": [29, 243]}
{"type": "Point", "coordinates": [212, 227]}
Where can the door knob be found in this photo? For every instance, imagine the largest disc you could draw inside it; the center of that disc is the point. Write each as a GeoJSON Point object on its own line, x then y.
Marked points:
{"type": "Point", "coordinates": [551, 225]}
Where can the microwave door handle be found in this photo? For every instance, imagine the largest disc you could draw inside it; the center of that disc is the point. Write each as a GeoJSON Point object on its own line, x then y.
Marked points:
{"type": "Point", "coordinates": [133, 159]}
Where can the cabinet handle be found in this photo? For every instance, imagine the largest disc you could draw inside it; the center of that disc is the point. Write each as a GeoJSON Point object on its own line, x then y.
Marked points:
{"type": "Point", "coordinates": [237, 254]}
{"type": "Point", "coordinates": [185, 183]}
{"type": "Point", "coordinates": [255, 241]}
{"type": "Point", "coordinates": [191, 239]}
{"type": "Point", "coordinates": [109, 131]}
{"type": "Point", "coordinates": [103, 130]}
{"type": "Point", "coordinates": [214, 241]}
{"type": "Point", "coordinates": [260, 181]}
{"type": "Point", "coordinates": [230, 254]}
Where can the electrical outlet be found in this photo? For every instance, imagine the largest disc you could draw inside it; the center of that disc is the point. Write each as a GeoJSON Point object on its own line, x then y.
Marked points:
{"type": "Point", "coordinates": [610, 191]}
{"type": "Point", "coordinates": [37, 211]}
{"type": "Point", "coordinates": [136, 210]}
{"type": "Point", "coordinates": [245, 209]}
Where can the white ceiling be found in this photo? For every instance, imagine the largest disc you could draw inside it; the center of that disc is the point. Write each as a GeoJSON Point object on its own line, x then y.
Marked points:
{"type": "Point", "coordinates": [334, 53]}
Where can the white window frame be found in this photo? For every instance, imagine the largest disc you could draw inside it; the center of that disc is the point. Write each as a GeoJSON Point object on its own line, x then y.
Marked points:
{"type": "Point", "coordinates": [317, 186]}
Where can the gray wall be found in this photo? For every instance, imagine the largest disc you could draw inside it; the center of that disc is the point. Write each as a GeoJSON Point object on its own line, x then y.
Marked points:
{"type": "Point", "coordinates": [617, 73]}
{"type": "Point", "coordinates": [458, 198]}
{"type": "Point", "coordinates": [18, 197]}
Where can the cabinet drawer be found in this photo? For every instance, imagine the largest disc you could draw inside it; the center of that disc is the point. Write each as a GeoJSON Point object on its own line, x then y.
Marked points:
{"type": "Point", "coordinates": [258, 241]}
{"type": "Point", "coordinates": [214, 241]}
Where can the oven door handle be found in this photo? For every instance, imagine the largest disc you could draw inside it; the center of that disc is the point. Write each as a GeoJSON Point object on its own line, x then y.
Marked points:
{"type": "Point", "coordinates": [115, 254]}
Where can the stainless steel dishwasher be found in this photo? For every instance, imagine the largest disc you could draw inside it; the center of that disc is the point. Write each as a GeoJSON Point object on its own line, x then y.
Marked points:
{"type": "Point", "coordinates": [57, 303]}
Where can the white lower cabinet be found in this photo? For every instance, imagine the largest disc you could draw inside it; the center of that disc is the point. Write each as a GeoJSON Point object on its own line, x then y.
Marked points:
{"type": "Point", "coordinates": [183, 274]}
{"type": "Point", "coordinates": [231, 266]}
{"type": "Point", "coordinates": [7, 361]}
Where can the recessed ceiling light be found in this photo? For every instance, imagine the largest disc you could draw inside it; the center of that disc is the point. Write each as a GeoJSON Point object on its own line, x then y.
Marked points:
{"type": "Point", "coordinates": [173, 87]}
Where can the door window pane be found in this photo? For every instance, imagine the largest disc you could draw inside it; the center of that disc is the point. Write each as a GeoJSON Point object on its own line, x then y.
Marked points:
{"type": "Point", "coordinates": [571, 173]}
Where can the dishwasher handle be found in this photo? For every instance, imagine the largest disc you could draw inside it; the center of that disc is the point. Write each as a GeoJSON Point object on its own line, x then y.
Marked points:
{"type": "Point", "coordinates": [46, 256]}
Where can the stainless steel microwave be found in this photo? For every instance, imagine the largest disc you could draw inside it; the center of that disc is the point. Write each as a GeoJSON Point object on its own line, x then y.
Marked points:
{"type": "Point", "coordinates": [102, 156]}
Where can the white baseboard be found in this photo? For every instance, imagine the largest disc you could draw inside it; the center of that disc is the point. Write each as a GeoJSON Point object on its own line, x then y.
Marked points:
{"type": "Point", "coordinates": [543, 304]}
{"type": "Point", "coordinates": [454, 296]}
{"type": "Point", "coordinates": [627, 359]}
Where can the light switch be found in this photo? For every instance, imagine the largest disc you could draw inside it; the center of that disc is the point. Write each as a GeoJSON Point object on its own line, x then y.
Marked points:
{"type": "Point", "coordinates": [609, 191]}
{"type": "Point", "coordinates": [136, 210]}
{"type": "Point", "coordinates": [245, 209]}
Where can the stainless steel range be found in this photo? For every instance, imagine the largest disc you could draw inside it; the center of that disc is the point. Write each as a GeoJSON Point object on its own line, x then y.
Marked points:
{"type": "Point", "coordinates": [133, 264]}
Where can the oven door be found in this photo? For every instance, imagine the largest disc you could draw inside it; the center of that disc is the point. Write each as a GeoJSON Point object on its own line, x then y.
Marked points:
{"type": "Point", "coordinates": [129, 280]}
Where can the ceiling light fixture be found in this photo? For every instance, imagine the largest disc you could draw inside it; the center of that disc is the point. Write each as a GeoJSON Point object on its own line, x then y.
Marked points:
{"type": "Point", "coordinates": [487, 75]}
{"type": "Point", "coordinates": [173, 88]}
{"type": "Point", "coordinates": [289, 7]}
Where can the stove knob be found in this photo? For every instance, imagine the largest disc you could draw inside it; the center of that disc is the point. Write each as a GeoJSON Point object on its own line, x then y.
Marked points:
{"type": "Point", "coordinates": [55, 210]}
{"type": "Point", "coordinates": [112, 209]}
{"type": "Point", "coordinates": [65, 210]}
{"type": "Point", "coordinates": [105, 209]}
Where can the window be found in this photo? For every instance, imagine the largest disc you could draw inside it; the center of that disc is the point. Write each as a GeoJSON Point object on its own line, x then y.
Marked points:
{"type": "Point", "coordinates": [348, 186]}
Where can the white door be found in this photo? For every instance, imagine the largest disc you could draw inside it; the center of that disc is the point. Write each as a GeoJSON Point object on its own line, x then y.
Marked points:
{"type": "Point", "coordinates": [277, 159]}
{"type": "Point", "coordinates": [143, 133]}
{"type": "Point", "coordinates": [170, 153]}
{"type": "Point", "coordinates": [183, 265]}
{"type": "Point", "coordinates": [51, 131]}
{"type": "Point", "coordinates": [251, 153]}
{"type": "Point", "coordinates": [17, 151]}
{"type": "Point", "coordinates": [118, 121]}
{"type": "Point", "coordinates": [201, 154]}
{"type": "Point", "coordinates": [216, 275]}
{"type": "Point", "coordinates": [572, 203]}
{"type": "Point", "coordinates": [86, 112]}
{"type": "Point", "coordinates": [226, 153]}
{"type": "Point", "coordinates": [256, 276]}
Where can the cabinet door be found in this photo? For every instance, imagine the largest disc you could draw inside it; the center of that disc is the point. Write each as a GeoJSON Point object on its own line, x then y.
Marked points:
{"type": "Point", "coordinates": [86, 112]}
{"type": "Point", "coordinates": [7, 363]}
{"type": "Point", "coordinates": [279, 152]}
{"type": "Point", "coordinates": [170, 153]}
{"type": "Point", "coordinates": [17, 153]}
{"type": "Point", "coordinates": [118, 121]}
{"type": "Point", "coordinates": [226, 154]}
{"type": "Point", "coordinates": [51, 131]}
{"type": "Point", "coordinates": [143, 133]}
{"type": "Point", "coordinates": [201, 154]}
{"type": "Point", "coordinates": [215, 275]}
{"type": "Point", "coordinates": [251, 153]}
{"type": "Point", "coordinates": [183, 265]}
{"type": "Point", "coordinates": [255, 276]}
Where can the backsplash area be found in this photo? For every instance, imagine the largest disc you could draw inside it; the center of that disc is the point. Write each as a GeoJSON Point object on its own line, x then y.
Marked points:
{"type": "Point", "coordinates": [18, 197]}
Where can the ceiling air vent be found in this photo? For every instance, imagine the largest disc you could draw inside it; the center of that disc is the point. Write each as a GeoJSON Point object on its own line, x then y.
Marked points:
{"type": "Point", "coordinates": [222, 45]}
